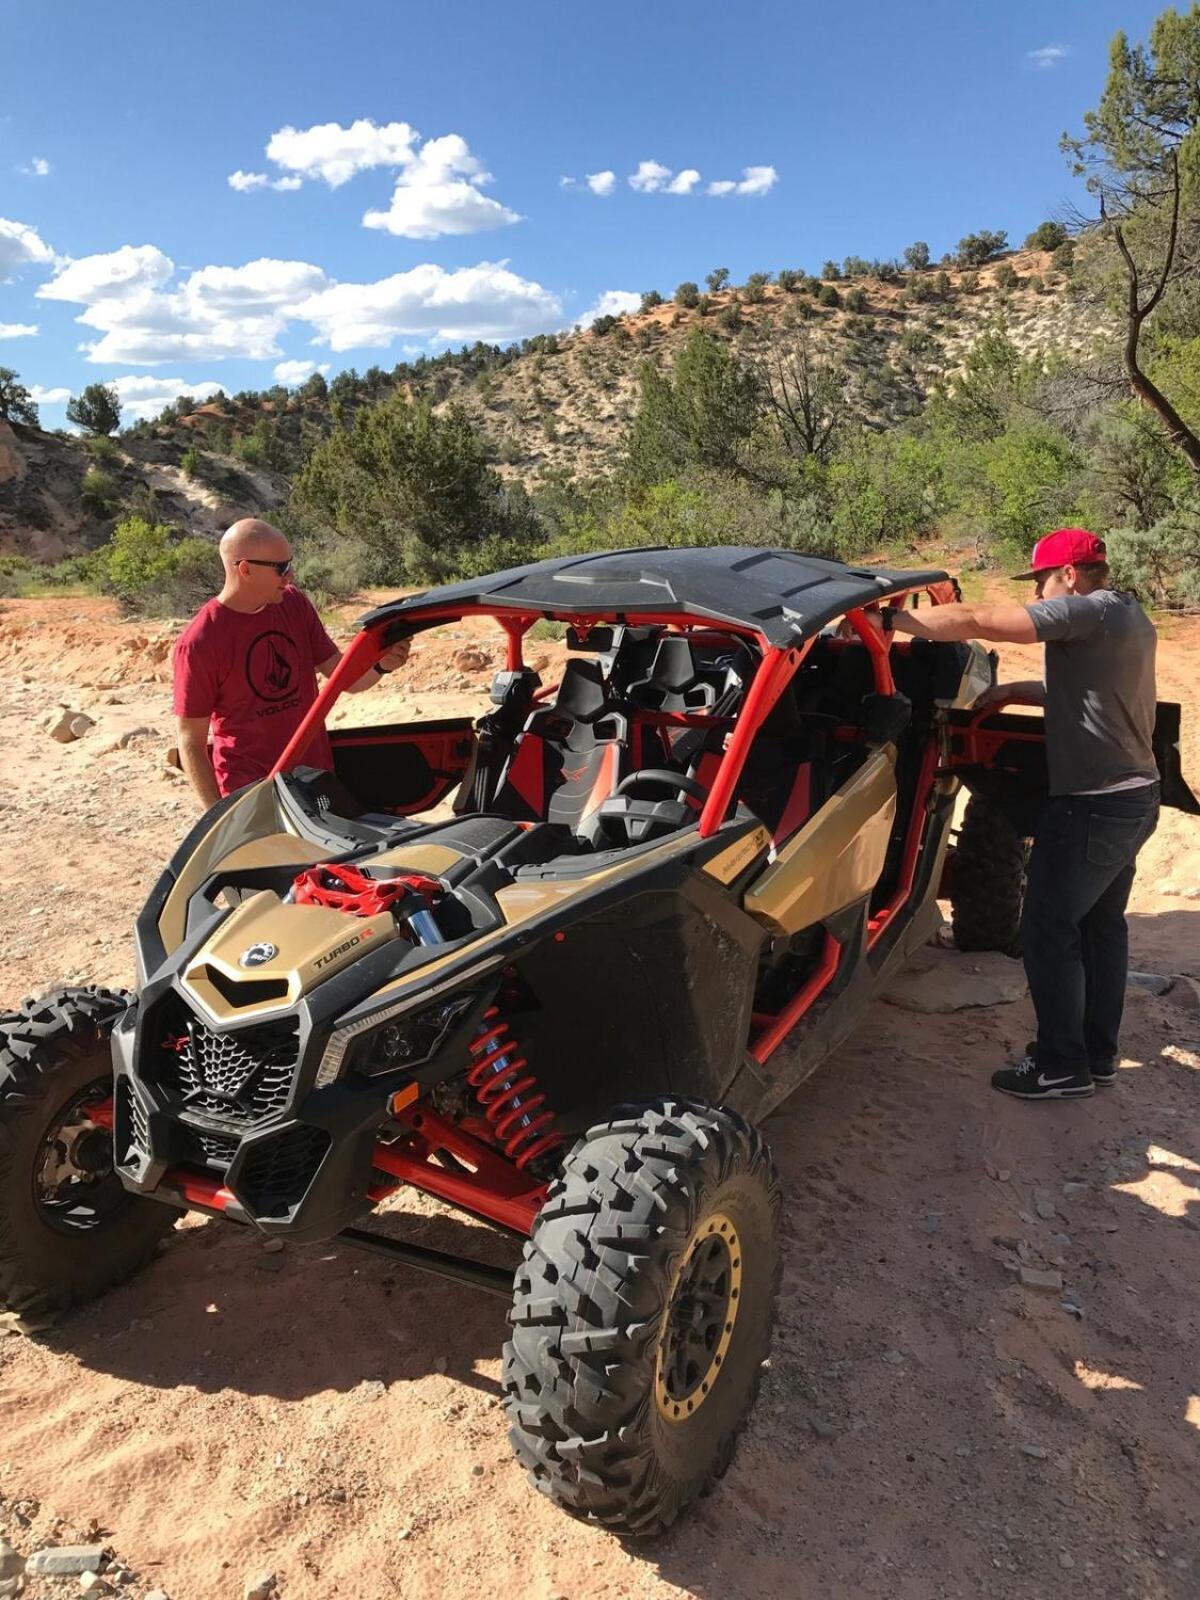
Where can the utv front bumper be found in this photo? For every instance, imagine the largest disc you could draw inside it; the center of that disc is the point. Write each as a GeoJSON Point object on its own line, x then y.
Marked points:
{"type": "Point", "coordinates": [240, 1107]}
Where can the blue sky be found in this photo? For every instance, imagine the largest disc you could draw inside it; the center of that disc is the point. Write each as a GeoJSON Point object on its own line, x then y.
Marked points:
{"type": "Point", "coordinates": [399, 169]}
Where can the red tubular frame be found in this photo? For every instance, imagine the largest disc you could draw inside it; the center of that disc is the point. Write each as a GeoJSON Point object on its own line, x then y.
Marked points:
{"type": "Point", "coordinates": [912, 846]}
{"type": "Point", "coordinates": [773, 675]}
{"type": "Point", "coordinates": [496, 1190]}
{"type": "Point", "coordinates": [360, 657]}
{"type": "Point", "coordinates": [777, 1029]}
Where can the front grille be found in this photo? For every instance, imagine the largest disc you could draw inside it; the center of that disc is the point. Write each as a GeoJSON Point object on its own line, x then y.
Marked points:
{"type": "Point", "coordinates": [241, 1077]}
{"type": "Point", "coordinates": [278, 1171]}
{"type": "Point", "coordinates": [131, 1135]}
{"type": "Point", "coordinates": [203, 1149]}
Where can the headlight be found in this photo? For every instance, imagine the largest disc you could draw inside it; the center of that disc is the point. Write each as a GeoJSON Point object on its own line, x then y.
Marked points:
{"type": "Point", "coordinates": [377, 1045]}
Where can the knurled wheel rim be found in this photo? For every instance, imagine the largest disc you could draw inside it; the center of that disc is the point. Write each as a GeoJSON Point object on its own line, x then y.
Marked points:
{"type": "Point", "coordinates": [699, 1319]}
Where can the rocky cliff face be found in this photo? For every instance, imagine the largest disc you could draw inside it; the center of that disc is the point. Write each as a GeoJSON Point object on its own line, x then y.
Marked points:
{"type": "Point", "coordinates": [45, 514]}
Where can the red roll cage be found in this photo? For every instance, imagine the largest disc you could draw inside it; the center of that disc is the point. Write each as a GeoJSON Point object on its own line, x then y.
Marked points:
{"type": "Point", "coordinates": [776, 670]}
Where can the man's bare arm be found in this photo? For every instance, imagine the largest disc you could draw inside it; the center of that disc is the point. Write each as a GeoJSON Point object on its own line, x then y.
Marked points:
{"type": "Point", "coordinates": [1006, 623]}
{"type": "Point", "coordinates": [1029, 689]}
{"type": "Point", "coordinates": [197, 764]}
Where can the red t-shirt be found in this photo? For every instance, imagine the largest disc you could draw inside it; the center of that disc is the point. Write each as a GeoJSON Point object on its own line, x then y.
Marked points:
{"type": "Point", "coordinates": [253, 674]}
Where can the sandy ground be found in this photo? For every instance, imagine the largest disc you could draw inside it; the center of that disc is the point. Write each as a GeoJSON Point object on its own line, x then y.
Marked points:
{"type": "Point", "coordinates": [927, 1427]}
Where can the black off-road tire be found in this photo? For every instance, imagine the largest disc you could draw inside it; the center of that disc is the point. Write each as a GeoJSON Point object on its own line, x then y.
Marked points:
{"type": "Point", "coordinates": [988, 881]}
{"type": "Point", "coordinates": [51, 1051]}
{"type": "Point", "coordinates": [637, 1199]}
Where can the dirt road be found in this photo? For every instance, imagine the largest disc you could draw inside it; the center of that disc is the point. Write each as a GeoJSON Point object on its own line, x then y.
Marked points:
{"type": "Point", "coordinates": [928, 1427]}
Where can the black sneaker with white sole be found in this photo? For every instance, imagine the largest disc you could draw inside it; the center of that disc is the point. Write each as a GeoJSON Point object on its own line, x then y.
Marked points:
{"type": "Point", "coordinates": [1028, 1081]}
{"type": "Point", "coordinates": [1102, 1076]}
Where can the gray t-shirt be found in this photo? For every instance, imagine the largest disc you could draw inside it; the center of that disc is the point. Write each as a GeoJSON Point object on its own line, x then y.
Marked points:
{"type": "Point", "coordinates": [1100, 691]}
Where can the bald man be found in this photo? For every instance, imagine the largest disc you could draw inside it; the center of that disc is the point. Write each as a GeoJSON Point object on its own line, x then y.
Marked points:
{"type": "Point", "coordinates": [246, 666]}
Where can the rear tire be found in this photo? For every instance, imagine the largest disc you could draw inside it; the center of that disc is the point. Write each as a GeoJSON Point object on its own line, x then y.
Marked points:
{"type": "Point", "coordinates": [68, 1228]}
{"type": "Point", "coordinates": [643, 1313]}
{"type": "Point", "coordinates": [988, 883]}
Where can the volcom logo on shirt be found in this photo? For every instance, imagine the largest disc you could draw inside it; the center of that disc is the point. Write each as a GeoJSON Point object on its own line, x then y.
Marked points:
{"type": "Point", "coordinates": [271, 666]}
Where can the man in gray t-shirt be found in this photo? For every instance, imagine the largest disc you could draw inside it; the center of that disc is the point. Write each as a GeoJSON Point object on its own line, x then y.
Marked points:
{"type": "Point", "coordinates": [1100, 702]}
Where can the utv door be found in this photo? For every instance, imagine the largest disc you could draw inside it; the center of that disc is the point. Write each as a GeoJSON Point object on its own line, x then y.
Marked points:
{"type": "Point", "coordinates": [405, 769]}
{"type": "Point", "coordinates": [1001, 756]}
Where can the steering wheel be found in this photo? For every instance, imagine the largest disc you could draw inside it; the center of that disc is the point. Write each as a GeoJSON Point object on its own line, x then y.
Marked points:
{"type": "Point", "coordinates": [679, 782]}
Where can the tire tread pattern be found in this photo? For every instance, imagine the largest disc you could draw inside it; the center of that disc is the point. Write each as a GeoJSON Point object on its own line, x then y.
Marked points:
{"type": "Point", "coordinates": [578, 1368]}
{"type": "Point", "coordinates": [38, 1041]}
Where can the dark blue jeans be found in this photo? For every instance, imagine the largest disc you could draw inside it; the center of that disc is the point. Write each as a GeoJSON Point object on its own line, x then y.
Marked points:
{"type": "Point", "coordinates": [1074, 939]}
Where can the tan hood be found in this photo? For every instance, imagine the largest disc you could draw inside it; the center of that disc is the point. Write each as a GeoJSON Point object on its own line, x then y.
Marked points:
{"type": "Point", "coordinates": [267, 954]}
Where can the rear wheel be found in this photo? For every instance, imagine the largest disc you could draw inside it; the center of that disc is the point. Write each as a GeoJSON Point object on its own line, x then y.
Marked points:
{"type": "Point", "coordinates": [68, 1228]}
{"type": "Point", "coordinates": [988, 882]}
{"type": "Point", "coordinates": [643, 1313]}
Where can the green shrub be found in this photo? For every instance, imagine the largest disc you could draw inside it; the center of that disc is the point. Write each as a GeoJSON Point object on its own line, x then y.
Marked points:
{"type": "Point", "coordinates": [153, 572]}
{"type": "Point", "coordinates": [916, 257]}
{"type": "Point", "coordinates": [1046, 236]}
{"type": "Point", "coordinates": [101, 448]}
{"type": "Point", "coordinates": [717, 279]}
{"type": "Point", "coordinates": [1162, 563]}
{"type": "Point", "coordinates": [829, 296]}
{"type": "Point", "coordinates": [1006, 276]}
{"type": "Point", "coordinates": [189, 461]}
{"type": "Point", "coordinates": [789, 280]}
{"type": "Point", "coordinates": [98, 493]}
{"type": "Point", "coordinates": [687, 294]}
{"type": "Point", "coordinates": [1063, 259]}
{"type": "Point", "coordinates": [856, 299]}
{"type": "Point", "coordinates": [969, 282]}
{"type": "Point", "coordinates": [755, 291]}
{"type": "Point", "coordinates": [976, 248]}
{"type": "Point", "coordinates": [650, 299]}
{"type": "Point", "coordinates": [248, 447]}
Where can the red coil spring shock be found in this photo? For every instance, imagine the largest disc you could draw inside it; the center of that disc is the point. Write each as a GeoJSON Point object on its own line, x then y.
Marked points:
{"type": "Point", "coordinates": [502, 1083]}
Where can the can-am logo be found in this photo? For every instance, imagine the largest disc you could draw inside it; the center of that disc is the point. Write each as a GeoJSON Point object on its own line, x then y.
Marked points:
{"type": "Point", "coordinates": [258, 955]}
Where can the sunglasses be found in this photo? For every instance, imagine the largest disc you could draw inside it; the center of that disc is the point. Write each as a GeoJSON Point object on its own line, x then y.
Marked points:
{"type": "Point", "coordinates": [281, 567]}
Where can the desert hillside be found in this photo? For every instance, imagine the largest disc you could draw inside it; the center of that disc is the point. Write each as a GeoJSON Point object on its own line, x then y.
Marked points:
{"type": "Point", "coordinates": [559, 407]}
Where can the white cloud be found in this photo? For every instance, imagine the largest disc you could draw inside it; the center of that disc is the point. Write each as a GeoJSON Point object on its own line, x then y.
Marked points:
{"type": "Point", "coordinates": [38, 167]}
{"type": "Point", "coordinates": [20, 245]}
{"type": "Point", "coordinates": [215, 313]}
{"type": "Point", "coordinates": [18, 330]}
{"type": "Point", "coordinates": [1047, 56]}
{"type": "Point", "coordinates": [601, 183]}
{"type": "Point", "coordinates": [293, 373]}
{"type": "Point", "coordinates": [481, 302]}
{"type": "Point", "coordinates": [145, 316]}
{"type": "Point", "coordinates": [754, 180]}
{"type": "Point", "coordinates": [649, 177]}
{"type": "Point", "coordinates": [143, 396]}
{"type": "Point", "coordinates": [258, 284]}
{"type": "Point", "coordinates": [48, 397]}
{"type": "Point", "coordinates": [243, 182]}
{"type": "Point", "coordinates": [115, 274]}
{"type": "Point", "coordinates": [684, 182]}
{"type": "Point", "coordinates": [334, 153]}
{"type": "Point", "coordinates": [612, 303]}
{"type": "Point", "coordinates": [438, 193]}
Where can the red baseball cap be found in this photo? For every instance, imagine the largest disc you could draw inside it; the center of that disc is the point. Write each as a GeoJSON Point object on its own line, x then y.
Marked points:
{"type": "Point", "coordinates": [1074, 547]}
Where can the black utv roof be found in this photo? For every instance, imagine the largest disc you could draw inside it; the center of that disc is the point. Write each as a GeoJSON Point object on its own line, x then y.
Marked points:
{"type": "Point", "coordinates": [777, 593]}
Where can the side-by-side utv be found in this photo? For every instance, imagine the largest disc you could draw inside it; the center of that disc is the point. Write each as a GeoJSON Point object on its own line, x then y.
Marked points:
{"type": "Point", "coordinates": [664, 888]}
